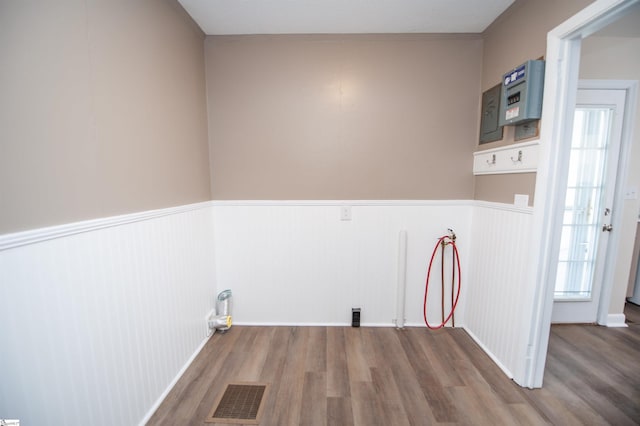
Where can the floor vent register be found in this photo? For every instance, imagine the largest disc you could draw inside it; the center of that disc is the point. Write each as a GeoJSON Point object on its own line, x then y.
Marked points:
{"type": "Point", "coordinates": [240, 403]}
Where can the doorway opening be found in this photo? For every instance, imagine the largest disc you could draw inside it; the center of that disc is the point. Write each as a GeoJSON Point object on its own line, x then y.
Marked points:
{"type": "Point", "coordinates": [582, 269]}
{"type": "Point", "coordinates": [563, 60]}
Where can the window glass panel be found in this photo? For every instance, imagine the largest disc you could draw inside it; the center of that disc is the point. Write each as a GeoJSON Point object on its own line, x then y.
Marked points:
{"type": "Point", "coordinates": [583, 203]}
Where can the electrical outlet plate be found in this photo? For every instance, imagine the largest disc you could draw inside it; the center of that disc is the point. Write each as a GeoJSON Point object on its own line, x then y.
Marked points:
{"type": "Point", "coordinates": [355, 317]}
{"type": "Point", "coordinates": [345, 212]}
{"type": "Point", "coordinates": [521, 200]}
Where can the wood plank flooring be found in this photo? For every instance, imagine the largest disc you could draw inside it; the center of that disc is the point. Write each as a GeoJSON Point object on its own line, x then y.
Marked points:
{"type": "Point", "coordinates": [384, 376]}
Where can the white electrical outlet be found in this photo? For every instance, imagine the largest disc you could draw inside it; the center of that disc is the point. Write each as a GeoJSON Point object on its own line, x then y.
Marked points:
{"type": "Point", "coordinates": [521, 200]}
{"type": "Point", "coordinates": [345, 212]}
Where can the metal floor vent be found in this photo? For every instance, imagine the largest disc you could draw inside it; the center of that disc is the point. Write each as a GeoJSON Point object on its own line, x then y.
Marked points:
{"type": "Point", "coordinates": [240, 403]}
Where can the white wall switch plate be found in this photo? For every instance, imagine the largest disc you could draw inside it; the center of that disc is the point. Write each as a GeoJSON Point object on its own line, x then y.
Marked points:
{"type": "Point", "coordinates": [345, 212]}
{"type": "Point", "coordinates": [521, 200]}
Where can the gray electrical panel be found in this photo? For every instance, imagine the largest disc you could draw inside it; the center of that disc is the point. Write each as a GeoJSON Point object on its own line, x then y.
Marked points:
{"type": "Point", "coordinates": [521, 94]}
{"type": "Point", "coordinates": [489, 129]}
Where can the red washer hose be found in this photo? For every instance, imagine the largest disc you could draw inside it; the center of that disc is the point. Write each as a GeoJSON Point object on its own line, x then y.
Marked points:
{"type": "Point", "coordinates": [447, 240]}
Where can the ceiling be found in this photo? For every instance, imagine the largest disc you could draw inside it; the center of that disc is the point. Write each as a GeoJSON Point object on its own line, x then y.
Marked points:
{"type": "Point", "coordinates": [343, 16]}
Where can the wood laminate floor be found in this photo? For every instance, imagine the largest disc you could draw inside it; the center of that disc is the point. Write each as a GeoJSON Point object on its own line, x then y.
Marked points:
{"type": "Point", "coordinates": [384, 376]}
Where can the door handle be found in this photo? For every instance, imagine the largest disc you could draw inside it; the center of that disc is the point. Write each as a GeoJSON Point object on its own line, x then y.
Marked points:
{"type": "Point", "coordinates": [607, 228]}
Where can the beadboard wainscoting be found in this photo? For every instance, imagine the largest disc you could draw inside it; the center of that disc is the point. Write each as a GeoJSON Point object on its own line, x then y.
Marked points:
{"type": "Point", "coordinates": [99, 318]}
{"type": "Point", "coordinates": [298, 263]}
{"type": "Point", "coordinates": [499, 266]}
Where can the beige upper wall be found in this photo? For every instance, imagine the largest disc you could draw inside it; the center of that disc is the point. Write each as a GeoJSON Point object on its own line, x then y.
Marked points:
{"type": "Point", "coordinates": [103, 110]}
{"type": "Point", "coordinates": [343, 117]}
{"type": "Point", "coordinates": [519, 34]}
{"type": "Point", "coordinates": [501, 188]}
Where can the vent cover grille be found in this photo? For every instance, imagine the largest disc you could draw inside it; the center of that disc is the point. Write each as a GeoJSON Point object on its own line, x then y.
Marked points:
{"type": "Point", "coordinates": [240, 403]}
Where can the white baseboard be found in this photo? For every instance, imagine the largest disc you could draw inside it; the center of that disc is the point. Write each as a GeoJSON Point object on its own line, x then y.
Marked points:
{"type": "Point", "coordinates": [334, 324]}
{"type": "Point", "coordinates": [489, 353]}
{"type": "Point", "coordinates": [309, 324]}
{"type": "Point", "coordinates": [164, 394]}
{"type": "Point", "coordinates": [616, 320]}
{"type": "Point", "coordinates": [423, 325]}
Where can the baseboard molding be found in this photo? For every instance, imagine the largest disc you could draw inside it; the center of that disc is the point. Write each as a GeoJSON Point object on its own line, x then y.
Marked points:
{"type": "Point", "coordinates": [164, 394]}
{"type": "Point", "coordinates": [423, 325]}
{"type": "Point", "coordinates": [616, 320]}
{"type": "Point", "coordinates": [332, 324]}
{"type": "Point", "coordinates": [486, 350]}
{"type": "Point", "coordinates": [309, 324]}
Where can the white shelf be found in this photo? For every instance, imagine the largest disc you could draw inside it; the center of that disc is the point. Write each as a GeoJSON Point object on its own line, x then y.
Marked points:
{"type": "Point", "coordinates": [517, 158]}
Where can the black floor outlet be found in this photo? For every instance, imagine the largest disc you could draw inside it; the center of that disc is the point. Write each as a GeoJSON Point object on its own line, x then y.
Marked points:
{"type": "Point", "coordinates": [355, 317]}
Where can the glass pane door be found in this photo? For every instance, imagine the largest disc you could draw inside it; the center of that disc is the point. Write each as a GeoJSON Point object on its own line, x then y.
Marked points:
{"type": "Point", "coordinates": [584, 207]}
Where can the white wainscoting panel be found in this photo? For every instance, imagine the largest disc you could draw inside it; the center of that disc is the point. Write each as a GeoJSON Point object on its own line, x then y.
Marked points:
{"type": "Point", "coordinates": [299, 263]}
{"type": "Point", "coordinates": [493, 314]}
{"type": "Point", "coordinates": [97, 324]}
{"type": "Point", "coordinates": [98, 320]}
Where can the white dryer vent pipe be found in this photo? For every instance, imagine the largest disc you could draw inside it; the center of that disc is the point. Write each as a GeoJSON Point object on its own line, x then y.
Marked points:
{"type": "Point", "coordinates": [222, 320]}
{"type": "Point", "coordinates": [401, 279]}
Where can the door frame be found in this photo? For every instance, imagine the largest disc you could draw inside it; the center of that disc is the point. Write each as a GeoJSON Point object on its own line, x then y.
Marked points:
{"type": "Point", "coordinates": [626, 143]}
{"type": "Point", "coordinates": [561, 84]}
{"type": "Point", "coordinates": [616, 218]}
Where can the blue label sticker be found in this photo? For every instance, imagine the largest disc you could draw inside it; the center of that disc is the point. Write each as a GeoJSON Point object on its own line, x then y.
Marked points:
{"type": "Point", "coordinates": [514, 75]}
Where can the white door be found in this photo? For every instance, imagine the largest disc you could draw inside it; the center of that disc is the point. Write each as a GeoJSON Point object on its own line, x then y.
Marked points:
{"type": "Point", "coordinates": [586, 227]}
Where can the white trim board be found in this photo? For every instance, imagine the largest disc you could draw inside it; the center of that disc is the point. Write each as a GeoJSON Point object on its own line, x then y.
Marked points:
{"type": "Point", "coordinates": [373, 203]}
{"type": "Point", "coordinates": [516, 158]}
{"type": "Point", "coordinates": [336, 324]}
{"type": "Point", "coordinates": [22, 238]}
{"type": "Point", "coordinates": [314, 203]}
{"type": "Point", "coordinates": [486, 350]}
{"type": "Point", "coordinates": [310, 324]}
{"type": "Point", "coordinates": [631, 88]}
{"type": "Point", "coordinates": [33, 236]}
{"type": "Point", "coordinates": [175, 380]}
{"type": "Point", "coordinates": [503, 206]}
{"type": "Point", "coordinates": [616, 320]}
